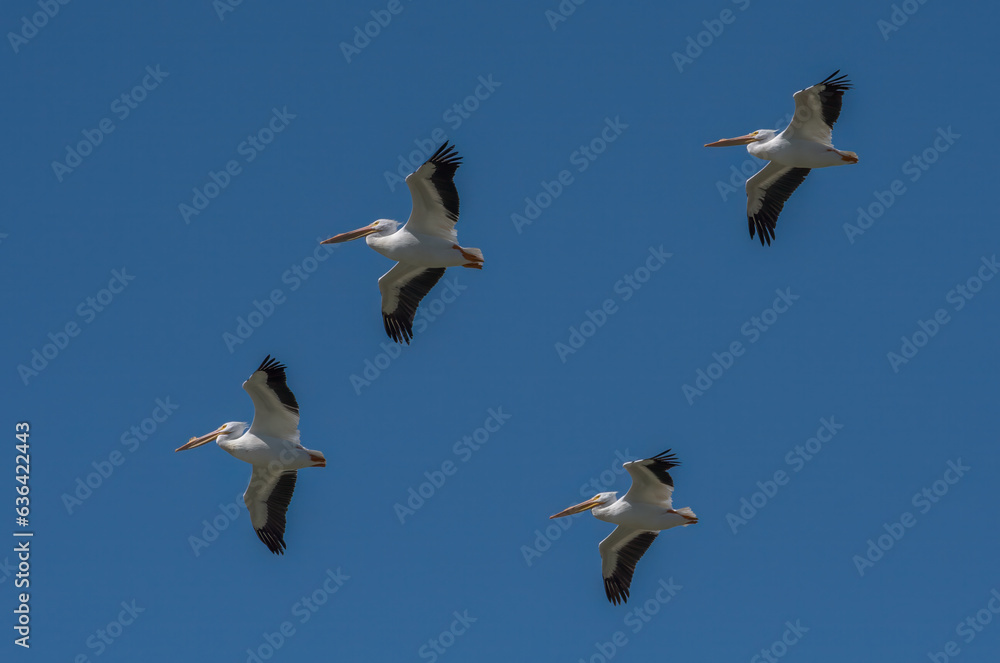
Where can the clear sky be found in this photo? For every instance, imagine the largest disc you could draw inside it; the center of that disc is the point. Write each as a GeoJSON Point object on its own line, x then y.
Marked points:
{"type": "Point", "coordinates": [832, 397]}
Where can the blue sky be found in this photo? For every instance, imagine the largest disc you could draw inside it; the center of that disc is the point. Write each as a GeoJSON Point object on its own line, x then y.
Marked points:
{"type": "Point", "coordinates": [806, 453]}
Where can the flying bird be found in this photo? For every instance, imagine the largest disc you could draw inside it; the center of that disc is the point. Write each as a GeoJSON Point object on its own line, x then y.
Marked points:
{"type": "Point", "coordinates": [643, 513]}
{"type": "Point", "coordinates": [272, 446]}
{"type": "Point", "coordinates": [806, 143]}
{"type": "Point", "coordinates": [423, 247]}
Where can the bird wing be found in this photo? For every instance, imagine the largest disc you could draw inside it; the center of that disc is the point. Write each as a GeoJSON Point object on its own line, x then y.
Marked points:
{"type": "Point", "coordinates": [767, 192]}
{"type": "Point", "coordinates": [267, 499]}
{"type": "Point", "coordinates": [435, 198]}
{"type": "Point", "coordinates": [402, 288]}
{"type": "Point", "coordinates": [276, 413]}
{"type": "Point", "coordinates": [817, 109]}
{"type": "Point", "coordinates": [619, 554]}
{"type": "Point", "coordinates": [651, 480]}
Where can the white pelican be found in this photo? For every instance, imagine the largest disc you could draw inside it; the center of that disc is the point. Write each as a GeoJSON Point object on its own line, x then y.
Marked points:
{"type": "Point", "coordinates": [423, 247]}
{"type": "Point", "coordinates": [271, 446]}
{"type": "Point", "coordinates": [645, 510]}
{"type": "Point", "coordinates": [806, 143]}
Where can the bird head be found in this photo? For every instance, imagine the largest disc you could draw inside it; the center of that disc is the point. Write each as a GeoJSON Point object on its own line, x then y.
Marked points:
{"type": "Point", "coordinates": [752, 137]}
{"type": "Point", "coordinates": [600, 499]}
{"type": "Point", "coordinates": [224, 432]}
{"type": "Point", "coordinates": [378, 227]}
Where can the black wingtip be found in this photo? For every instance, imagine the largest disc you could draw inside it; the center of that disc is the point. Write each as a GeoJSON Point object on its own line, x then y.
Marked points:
{"type": "Point", "coordinates": [761, 229]}
{"type": "Point", "coordinates": [837, 83]}
{"type": "Point", "coordinates": [277, 382]}
{"type": "Point", "coordinates": [275, 544]}
{"type": "Point", "coordinates": [775, 195]}
{"type": "Point", "coordinates": [615, 593]}
{"type": "Point", "coordinates": [398, 330]}
{"type": "Point", "coordinates": [446, 155]}
{"type": "Point", "coordinates": [617, 586]}
{"type": "Point", "coordinates": [399, 322]}
{"type": "Point", "coordinates": [666, 457]}
{"type": "Point", "coordinates": [270, 365]}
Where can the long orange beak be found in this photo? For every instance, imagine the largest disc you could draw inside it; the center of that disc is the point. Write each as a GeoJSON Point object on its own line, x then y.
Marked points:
{"type": "Point", "coordinates": [582, 506]}
{"type": "Point", "coordinates": [354, 234]}
{"type": "Point", "coordinates": [198, 441]}
{"type": "Point", "coordinates": [729, 142]}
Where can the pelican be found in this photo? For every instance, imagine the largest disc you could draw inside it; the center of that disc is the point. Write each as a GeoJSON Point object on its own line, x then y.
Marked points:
{"type": "Point", "coordinates": [806, 143]}
{"type": "Point", "coordinates": [271, 446]}
{"type": "Point", "coordinates": [643, 513]}
{"type": "Point", "coordinates": [423, 247]}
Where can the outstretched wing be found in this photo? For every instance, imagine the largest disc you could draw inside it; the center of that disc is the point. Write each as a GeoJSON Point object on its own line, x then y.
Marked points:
{"type": "Point", "coordinates": [435, 198]}
{"type": "Point", "coordinates": [767, 192]}
{"type": "Point", "coordinates": [817, 109]}
{"type": "Point", "coordinates": [276, 412]}
{"type": "Point", "coordinates": [267, 498]}
{"type": "Point", "coordinates": [402, 288]}
{"type": "Point", "coordinates": [651, 480]}
{"type": "Point", "coordinates": [620, 552]}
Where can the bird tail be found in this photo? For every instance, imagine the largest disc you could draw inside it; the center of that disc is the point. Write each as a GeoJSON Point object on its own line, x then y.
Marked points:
{"type": "Point", "coordinates": [474, 256]}
{"type": "Point", "coordinates": [317, 458]}
{"type": "Point", "coordinates": [688, 515]}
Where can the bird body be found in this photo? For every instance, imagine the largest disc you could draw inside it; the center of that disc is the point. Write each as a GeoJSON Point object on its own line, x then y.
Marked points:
{"type": "Point", "coordinates": [640, 515]}
{"type": "Point", "coordinates": [644, 511]}
{"type": "Point", "coordinates": [403, 245]}
{"type": "Point", "coordinates": [271, 445]}
{"type": "Point", "coordinates": [806, 143]}
{"type": "Point", "coordinates": [423, 247]}
{"type": "Point", "coordinates": [795, 152]}
{"type": "Point", "coordinates": [265, 449]}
